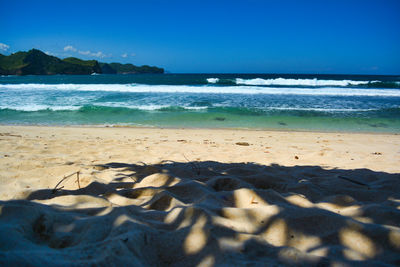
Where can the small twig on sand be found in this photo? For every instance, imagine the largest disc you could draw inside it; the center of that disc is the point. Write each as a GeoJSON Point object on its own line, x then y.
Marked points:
{"type": "Point", "coordinates": [195, 168]}
{"type": "Point", "coordinates": [77, 179]}
{"type": "Point", "coordinates": [63, 179]}
{"type": "Point", "coordinates": [352, 181]}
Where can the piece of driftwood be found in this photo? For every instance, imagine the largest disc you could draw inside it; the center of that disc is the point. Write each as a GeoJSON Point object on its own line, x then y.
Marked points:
{"type": "Point", "coordinates": [242, 144]}
{"type": "Point", "coordinates": [62, 180]}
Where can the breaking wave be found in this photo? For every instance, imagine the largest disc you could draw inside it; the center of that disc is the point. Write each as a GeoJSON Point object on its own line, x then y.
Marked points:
{"type": "Point", "coordinates": [212, 80]}
{"type": "Point", "coordinates": [300, 82]}
{"type": "Point", "coordinates": [208, 89]}
{"type": "Point", "coordinates": [169, 108]}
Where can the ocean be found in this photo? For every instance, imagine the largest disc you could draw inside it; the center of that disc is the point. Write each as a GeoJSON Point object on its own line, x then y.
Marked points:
{"type": "Point", "coordinates": [349, 103]}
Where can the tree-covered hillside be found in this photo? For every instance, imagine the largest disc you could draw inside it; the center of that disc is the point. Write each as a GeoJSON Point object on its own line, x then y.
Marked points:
{"type": "Point", "coordinates": [35, 62]}
{"type": "Point", "coordinates": [110, 68]}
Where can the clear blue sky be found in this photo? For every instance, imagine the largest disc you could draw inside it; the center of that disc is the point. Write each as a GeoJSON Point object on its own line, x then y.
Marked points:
{"type": "Point", "coordinates": [326, 36]}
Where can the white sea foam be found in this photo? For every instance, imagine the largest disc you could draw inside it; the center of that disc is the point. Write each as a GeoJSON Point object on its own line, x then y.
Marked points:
{"type": "Point", "coordinates": [35, 107]}
{"type": "Point", "coordinates": [323, 109]}
{"type": "Point", "coordinates": [32, 108]}
{"type": "Point", "coordinates": [212, 80]}
{"type": "Point", "coordinates": [125, 105]}
{"type": "Point", "coordinates": [299, 82]}
{"type": "Point", "coordinates": [148, 107]}
{"type": "Point", "coordinates": [141, 88]}
{"type": "Point", "coordinates": [196, 108]}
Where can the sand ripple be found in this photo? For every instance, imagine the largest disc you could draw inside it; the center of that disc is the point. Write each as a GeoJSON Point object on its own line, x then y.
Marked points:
{"type": "Point", "coordinates": [206, 213]}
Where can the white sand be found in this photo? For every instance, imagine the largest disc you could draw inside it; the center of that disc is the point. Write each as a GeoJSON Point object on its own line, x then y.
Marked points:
{"type": "Point", "coordinates": [195, 197]}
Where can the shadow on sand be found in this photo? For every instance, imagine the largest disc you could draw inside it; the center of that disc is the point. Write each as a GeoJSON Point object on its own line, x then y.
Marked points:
{"type": "Point", "coordinates": [208, 213]}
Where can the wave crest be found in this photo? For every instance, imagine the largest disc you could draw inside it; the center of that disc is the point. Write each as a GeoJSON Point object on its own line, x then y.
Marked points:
{"type": "Point", "coordinates": [141, 88]}
{"type": "Point", "coordinates": [212, 80]}
{"type": "Point", "coordinates": [300, 82]}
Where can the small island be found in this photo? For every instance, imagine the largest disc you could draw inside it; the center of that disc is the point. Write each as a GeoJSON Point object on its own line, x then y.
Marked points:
{"type": "Point", "coordinates": [36, 62]}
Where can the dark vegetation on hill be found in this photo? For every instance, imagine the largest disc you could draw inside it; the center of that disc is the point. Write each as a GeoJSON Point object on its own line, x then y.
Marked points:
{"type": "Point", "coordinates": [35, 62]}
{"type": "Point", "coordinates": [111, 68]}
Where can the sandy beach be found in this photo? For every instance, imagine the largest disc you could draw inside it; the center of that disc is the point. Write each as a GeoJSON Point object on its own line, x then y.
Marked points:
{"type": "Point", "coordinates": [197, 197]}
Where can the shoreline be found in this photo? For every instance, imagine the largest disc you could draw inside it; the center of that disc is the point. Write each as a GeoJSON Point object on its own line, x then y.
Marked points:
{"type": "Point", "coordinates": [94, 126]}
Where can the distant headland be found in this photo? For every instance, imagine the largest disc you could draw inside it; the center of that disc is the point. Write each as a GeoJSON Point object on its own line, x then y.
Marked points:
{"type": "Point", "coordinates": [35, 62]}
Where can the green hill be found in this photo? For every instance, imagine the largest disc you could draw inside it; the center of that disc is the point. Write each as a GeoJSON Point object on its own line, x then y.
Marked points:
{"type": "Point", "coordinates": [35, 62]}
{"type": "Point", "coordinates": [111, 68]}
{"type": "Point", "coordinates": [92, 64]}
{"type": "Point", "coordinates": [10, 64]}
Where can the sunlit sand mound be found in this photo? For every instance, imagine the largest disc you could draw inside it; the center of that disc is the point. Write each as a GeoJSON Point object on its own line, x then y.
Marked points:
{"type": "Point", "coordinates": [206, 213]}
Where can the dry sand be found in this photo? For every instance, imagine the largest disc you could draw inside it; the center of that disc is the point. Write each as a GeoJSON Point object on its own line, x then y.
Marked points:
{"type": "Point", "coordinates": [197, 197]}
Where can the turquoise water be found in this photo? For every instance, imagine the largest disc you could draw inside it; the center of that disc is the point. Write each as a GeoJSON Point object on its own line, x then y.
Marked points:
{"type": "Point", "coordinates": [258, 101]}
